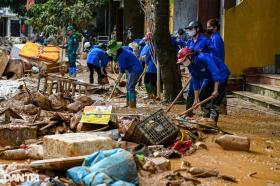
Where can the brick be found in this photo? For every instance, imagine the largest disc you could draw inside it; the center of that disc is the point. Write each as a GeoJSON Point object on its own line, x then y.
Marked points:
{"type": "Point", "coordinates": [15, 135]}
{"type": "Point", "coordinates": [74, 144]}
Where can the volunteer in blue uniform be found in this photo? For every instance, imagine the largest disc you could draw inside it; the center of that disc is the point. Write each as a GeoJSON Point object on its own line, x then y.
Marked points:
{"type": "Point", "coordinates": [72, 46]}
{"type": "Point", "coordinates": [141, 45]}
{"type": "Point", "coordinates": [178, 40]}
{"type": "Point", "coordinates": [213, 27]}
{"type": "Point", "coordinates": [209, 68]}
{"type": "Point", "coordinates": [97, 60]}
{"type": "Point", "coordinates": [150, 79]}
{"type": "Point", "coordinates": [127, 62]}
{"type": "Point", "coordinates": [197, 42]}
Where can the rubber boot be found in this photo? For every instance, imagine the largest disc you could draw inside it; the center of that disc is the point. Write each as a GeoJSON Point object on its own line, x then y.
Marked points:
{"type": "Point", "coordinates": [148, 89]}
{"type": "Point", "coordinates": [223, 109]}
{"type": "Point", "coordinates": [132, 99]}
{"type": "Point", "coordinates": [189, 103]}
{"type": "Point", "coordinates": [91, 80]}
{"type": "Point", "coordinates": [153, 92]}
{"type": "Point", "coordinates": [127, 100]}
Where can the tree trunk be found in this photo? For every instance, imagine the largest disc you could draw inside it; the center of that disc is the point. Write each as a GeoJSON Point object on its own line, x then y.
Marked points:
{"type": "Point", "coordinates": [166, 53]}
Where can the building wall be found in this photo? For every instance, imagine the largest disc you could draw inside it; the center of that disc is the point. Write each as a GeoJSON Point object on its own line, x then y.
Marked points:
{"type": "Point", "coordinates": [252, 34]}
{"type": "Point", "coordinates": [184, 12]}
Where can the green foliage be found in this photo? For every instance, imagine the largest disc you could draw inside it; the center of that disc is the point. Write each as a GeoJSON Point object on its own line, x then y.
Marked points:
{"type": "Point", "coordinates": [54, 15]}
{"type": "Point", "coordinates": [17, 6]}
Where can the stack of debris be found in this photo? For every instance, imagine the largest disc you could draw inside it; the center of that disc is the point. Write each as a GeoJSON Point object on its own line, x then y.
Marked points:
{"type": "Point", "coordinates": [74, 137]}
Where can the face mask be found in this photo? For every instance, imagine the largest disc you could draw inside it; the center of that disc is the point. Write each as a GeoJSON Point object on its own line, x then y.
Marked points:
{"type": "Point", "coordinates": [210, 31]}
{"type": "Point", "coordinates": [191, 33]}
{"type": "Point", "coordinates": [187, 62]}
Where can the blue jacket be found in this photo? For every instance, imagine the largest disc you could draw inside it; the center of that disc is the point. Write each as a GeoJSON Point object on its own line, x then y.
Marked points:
{"type": "Point", "coordinates": [97, 57]}
{"type": "Point", "coordinates": [202, 44]}
{"type": "Point", "coordinates": [127, 48]}
{"type": "Point", "coordinates": [219, 45]}
{"type": "Point", "coordinates": [178, 43]}
{"type": "Point", "coordinates": [209, 68]}
{"type": "Point", "coordinates": [147, 50]}
{"type": "Point", "coordinates": [128, 61]}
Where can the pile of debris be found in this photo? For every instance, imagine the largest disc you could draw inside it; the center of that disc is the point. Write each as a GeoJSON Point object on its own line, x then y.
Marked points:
{"type": "Point", "coordinates": [78, 140]}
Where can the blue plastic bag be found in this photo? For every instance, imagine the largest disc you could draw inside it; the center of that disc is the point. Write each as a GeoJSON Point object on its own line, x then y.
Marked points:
{"type": "Point", "coordinates": [115, 166]}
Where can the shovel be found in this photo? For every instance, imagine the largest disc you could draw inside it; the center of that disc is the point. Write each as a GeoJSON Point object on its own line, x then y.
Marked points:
{"type": "Point", "coordinates": [113, 90]}
{"type": "Point", "coordinates": [178, 96]}
{"type": "Point", "coordinates": [200, 103]}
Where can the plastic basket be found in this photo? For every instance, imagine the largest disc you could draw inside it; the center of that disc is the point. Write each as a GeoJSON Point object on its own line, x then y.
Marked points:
{"type": "Point", "coordinates": [156, 129]}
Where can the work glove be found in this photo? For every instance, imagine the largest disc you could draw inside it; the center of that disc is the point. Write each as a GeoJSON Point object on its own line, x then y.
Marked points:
{"type": "Point", "coordinates": [142, 58]}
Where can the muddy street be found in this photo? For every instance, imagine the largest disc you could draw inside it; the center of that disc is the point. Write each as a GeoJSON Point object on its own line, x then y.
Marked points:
{"type": "Point", "coordinates": [260, 166]}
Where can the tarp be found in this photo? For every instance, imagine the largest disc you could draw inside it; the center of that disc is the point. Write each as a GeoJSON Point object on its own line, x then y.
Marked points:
{"type": "Point", "coordinates": [39, 52]}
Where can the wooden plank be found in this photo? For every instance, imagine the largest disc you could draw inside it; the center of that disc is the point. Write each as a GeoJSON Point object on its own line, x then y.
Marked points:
{"type": "Point", "coordinates": [58, 164]}
{"type": "Point", "coordinates": [4, 63]}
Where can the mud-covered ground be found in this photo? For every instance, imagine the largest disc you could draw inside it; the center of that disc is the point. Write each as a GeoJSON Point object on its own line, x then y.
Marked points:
{"type": "Point", "coordinates": [263, 128]}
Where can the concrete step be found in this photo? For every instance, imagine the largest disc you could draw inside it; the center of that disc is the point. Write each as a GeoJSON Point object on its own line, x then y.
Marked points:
{"type": "Point", "coordinates": [270, 79]}
{"type": "Point", "coordinates": [265, 90]}
{"type": "Point", "coordinates": [258, 99]}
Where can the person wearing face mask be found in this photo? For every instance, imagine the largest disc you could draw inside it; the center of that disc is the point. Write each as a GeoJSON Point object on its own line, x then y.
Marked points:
{"type": "Point", "coordinates": [209, 68]}
{"type": "Point", "coordinates": [213, 27]}
{"type": "Point", "coordinates": [197, 42]}
{"type": "Point", "coordinates": [127, 62]}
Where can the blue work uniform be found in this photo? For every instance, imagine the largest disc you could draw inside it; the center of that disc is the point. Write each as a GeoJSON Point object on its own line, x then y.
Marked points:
{"type": "Point", "coordinates": [72, 46]}
{"type": "Point", "coordinates": [178, 43]}
{"type": "Point", "coordinates": [202, 44]}
{"type": "Point", "coordinates": [207, 67]}
{"type": "Point", "coordinates": [148, 51]}
{"type": "Point", "coordinates": [218, 43]}
{"type": "Point", "coordinates": [150, 79]}
{"type": "Point", "coordinates": [97, 57]}
{"type": "Point", "coordinates": [127, 48]}
{"type": "Point", "coordinates": [205, 70]}
{"type": "Point", "coordinates": [97, 60]}
{"type": "Point", "coordinates": [129, 62]}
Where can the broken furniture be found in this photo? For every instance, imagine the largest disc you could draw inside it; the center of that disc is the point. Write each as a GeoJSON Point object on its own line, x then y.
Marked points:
{"type": "Point", "coordinates": [65, 85]}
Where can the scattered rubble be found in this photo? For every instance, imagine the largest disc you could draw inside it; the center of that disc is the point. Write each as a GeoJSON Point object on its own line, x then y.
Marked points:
{"type": "Point", "coordinates": [53, 116]}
